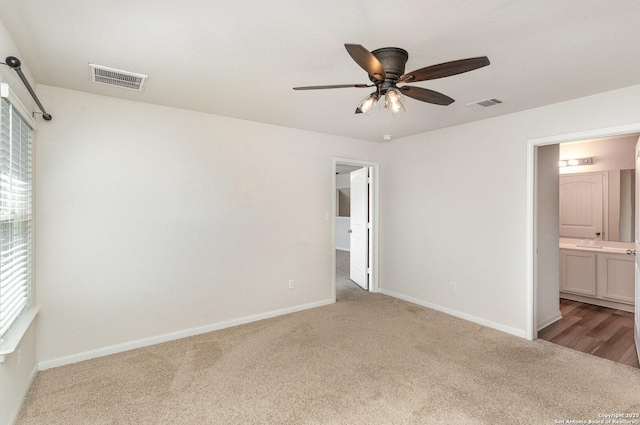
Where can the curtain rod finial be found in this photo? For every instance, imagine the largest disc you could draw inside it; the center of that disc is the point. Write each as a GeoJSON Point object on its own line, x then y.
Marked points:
{"type": "Point", "coordinates": [13, 62]}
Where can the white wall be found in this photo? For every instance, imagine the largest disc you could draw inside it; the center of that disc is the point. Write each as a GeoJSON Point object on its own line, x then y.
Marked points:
{"type": "Point", "coordinates": [454, 207]}
{"type": "Point", "coordinates": [15, 378]}
{"type": "Point", "coordinates": [343, 181]}
{"type": "Point", "coordinates": [343, 238]}
{"type": "Point", "coordinates": [155, 220]}
{"type": "Point", "coordinates": [611, 153]}
{"type": "Point", "coordinates": [547, 261]}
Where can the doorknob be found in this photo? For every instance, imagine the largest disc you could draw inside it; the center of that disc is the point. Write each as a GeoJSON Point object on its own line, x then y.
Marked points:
{"type": "Point", "coordinates": [349, 231]}
{"type": "Point", "coordinates": [631, 252]}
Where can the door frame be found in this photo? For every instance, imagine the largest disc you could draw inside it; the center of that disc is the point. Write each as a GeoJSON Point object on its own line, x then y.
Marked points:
{"type": "Point", "coordinates": [374, 205]}
{"type": "Point", "coordinates": [531, 285]}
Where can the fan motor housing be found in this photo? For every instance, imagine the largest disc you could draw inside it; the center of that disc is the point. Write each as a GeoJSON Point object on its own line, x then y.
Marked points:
{"type": "Point", "coordinates": [393, 60]}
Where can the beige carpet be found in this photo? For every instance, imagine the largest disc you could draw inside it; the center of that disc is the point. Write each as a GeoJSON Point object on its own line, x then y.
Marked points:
{"type": "Point", "coordinates": [368, 359]}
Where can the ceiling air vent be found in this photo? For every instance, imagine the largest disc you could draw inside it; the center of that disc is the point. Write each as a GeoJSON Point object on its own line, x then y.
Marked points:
{"type": "Point", "coordinates": [484, 103]}
{"type": "Point", "coordinates": [117, 77]}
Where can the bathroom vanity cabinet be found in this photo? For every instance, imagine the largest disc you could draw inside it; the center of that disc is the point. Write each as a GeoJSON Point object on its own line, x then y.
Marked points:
{"type": "Point", "coordinates": [601, 278]}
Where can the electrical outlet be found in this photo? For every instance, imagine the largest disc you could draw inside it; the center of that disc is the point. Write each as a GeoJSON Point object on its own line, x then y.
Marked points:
{"type": "Point", "coordinates": [453, 287]}
{"type": "Point", "coordinates": [292, 284]}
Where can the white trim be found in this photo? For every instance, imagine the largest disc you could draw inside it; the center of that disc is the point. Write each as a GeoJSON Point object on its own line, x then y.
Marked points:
{"type": "Point", "coordinates": [553, 319]}
{"type": "Point", "coordinates": [497, 326]}
{"type": "Point", "coordinates": [638, 341]}
{"type": "Point", "coordinates": [145, 342]}
{"type": "Point", "coordinates": [343, 249]}
{"type": "Point", "coordinates": [374, 205]}
{"type": "Point", "coordinates": [23, 396]}
{"type": "Point", "coordinates": [587, 134]}
{"type": "Point", "coordinates": [7, 93]}
{"type": "Point", "coordinates": [530, 299]}
{"type": "Point", "coordinates": [530, 284]}
{"type": "Point", "coordinates": [10, 341]}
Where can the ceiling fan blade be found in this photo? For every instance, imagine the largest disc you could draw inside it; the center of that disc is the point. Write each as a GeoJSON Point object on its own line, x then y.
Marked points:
{"type": "Point", "coordinates": [367, 61]}
{"type": "Point", "coordinates": [446, 69]}
{"type": "Point", "coordinates": [426, 95]}
{"type": "Point", "coordinates": [335, 86]}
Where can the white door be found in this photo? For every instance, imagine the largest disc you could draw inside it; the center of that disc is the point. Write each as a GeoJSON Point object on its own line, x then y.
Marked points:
{"type": "Point", "coordinates": [358, 227]}
{"type": "Point", "coordinates": [637, 249]}
{"type": "Point", "coordinates": [581, 205]}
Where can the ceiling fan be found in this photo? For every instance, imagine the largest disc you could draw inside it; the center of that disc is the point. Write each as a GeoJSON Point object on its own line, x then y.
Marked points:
{"type": "Point", "coordinates": [385, 67]}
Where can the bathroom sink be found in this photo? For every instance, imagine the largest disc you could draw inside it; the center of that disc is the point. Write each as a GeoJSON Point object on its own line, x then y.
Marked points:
{"type": "Point", "coordinates": [599, 246]}
{"type": "Point", "coordinates": [589, 244]}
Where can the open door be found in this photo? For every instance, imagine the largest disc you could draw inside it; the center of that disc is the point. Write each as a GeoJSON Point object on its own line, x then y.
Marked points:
{"type": "Point", "coordinates": [637, 251]}
{"type": "Point", "coordinates": [358, 229]}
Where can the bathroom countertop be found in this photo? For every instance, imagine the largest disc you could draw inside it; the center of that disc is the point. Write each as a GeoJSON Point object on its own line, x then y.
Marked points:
{"type": "Point", "coordinates": [602, 246]}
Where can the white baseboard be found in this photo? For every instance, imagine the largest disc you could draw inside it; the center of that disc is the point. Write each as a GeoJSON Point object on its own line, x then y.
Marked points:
{"type": "Point", "coordinates": [507, 329]}
{"type": "Point", "coordinates": [146, 342]}
{"type": "Point", "coordinates": [552, 319]}
{"type": "Point", "coordinates": [597, 301]}
{"type": "Point", "coordinates": [32, 376]}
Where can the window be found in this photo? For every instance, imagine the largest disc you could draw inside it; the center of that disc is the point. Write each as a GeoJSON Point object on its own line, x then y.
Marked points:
{"type": "Point", "coordinates": [15, 214]}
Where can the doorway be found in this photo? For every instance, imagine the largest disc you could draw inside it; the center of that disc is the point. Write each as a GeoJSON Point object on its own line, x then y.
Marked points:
{"type": "Point", "coordinates": [542, 261]}
{"type": "Point", "coordinates": [355, 227]}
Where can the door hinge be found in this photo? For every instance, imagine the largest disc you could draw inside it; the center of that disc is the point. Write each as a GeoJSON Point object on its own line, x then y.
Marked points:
{"type": "Point", "coordinates": [368, 225]}
{"type": "Point", "coordinates": [368, 270]}
{"type": "Point", "coordinates": [369, 180]}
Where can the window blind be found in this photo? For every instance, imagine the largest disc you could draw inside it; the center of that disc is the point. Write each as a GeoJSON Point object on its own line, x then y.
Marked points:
{"type": "Point", "coordinates": [15, 214]}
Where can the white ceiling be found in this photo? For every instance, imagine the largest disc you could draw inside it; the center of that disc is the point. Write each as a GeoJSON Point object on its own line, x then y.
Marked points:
{"type": "Point", "coordinates": [241, 59]}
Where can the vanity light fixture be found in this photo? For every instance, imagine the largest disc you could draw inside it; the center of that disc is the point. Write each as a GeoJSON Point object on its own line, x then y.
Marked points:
{"type": "Point", "coordinates": [574, 162]}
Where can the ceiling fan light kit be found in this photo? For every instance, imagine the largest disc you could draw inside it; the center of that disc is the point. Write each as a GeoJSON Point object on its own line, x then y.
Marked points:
{"type": "Point", "coordinates": [385, 68]}
{"type": "Point", "coordinates": [394, 102]}
{"type": "Point", "coordinates": [368, 103]}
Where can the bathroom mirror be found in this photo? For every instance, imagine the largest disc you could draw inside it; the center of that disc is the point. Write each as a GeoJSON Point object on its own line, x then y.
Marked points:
{"type": "Point", "coordinates": [582, 210]}
{"type": "Point", "coordinates": [614, 159]}
{"type": "Point", "coordinates": [627, 205]}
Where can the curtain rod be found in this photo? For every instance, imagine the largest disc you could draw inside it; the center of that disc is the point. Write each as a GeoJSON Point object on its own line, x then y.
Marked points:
{"type": "Point", "coordinates": [15, 63]}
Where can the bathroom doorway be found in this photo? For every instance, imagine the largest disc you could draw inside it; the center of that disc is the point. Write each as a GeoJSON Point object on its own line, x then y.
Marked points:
{"type": "Point", "coordinates": [585, 296]}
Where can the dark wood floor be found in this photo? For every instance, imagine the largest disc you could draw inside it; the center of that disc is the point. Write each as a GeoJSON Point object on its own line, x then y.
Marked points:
{"type": "Point", "coordinates": [600, 331]}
